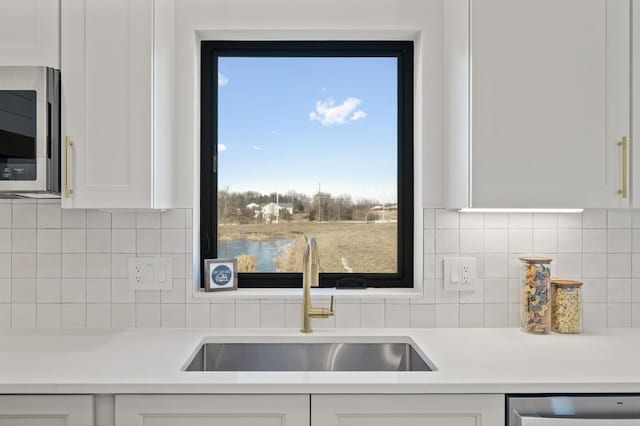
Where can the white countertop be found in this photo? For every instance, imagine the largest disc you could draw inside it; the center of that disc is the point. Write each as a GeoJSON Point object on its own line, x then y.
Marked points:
{"type": "Point", "coordinates": [468, 361]}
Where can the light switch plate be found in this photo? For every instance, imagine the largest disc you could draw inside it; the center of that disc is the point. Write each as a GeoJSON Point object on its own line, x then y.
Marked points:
{"type": "Point", "coordinates": [460, 274]}
{"type": "Point", "coordinates": [150, 273]}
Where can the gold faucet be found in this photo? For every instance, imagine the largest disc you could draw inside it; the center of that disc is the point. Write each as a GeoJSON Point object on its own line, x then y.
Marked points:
{"type": "Point", "coordinates": [310, 278]}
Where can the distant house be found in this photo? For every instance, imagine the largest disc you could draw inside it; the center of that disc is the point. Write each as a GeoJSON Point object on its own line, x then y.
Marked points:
{"type": "Point", "coordinates": [252, 206]}
{"type": "Point", "coordinates": [271, 211]}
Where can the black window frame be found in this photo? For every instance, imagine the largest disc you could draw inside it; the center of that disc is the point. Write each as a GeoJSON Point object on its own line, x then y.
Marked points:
{"type": "Point", "coordinates": [403, 51]}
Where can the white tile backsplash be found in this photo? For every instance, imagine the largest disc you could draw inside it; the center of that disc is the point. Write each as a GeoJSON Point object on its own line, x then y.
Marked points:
{"type": "Point", "coordinates": [68, 268]}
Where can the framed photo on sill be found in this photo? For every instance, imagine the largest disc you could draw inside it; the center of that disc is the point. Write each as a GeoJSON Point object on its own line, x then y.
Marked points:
{"type": "Point", "coordinates": [222, 274]}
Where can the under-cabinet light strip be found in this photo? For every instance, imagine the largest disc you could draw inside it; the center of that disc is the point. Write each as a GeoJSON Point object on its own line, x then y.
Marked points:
{"type": "Point", "coordinates": [472, 210]}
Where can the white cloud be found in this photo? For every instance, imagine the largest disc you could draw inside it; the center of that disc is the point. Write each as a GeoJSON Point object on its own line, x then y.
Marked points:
{"type": "Point", "coordinates": [358, 115]}
{"type": "Point", "coordinates": [256, 148]}
{"type": "Point", "coordinates": [329, 114]}
{"type": "Point", "coordinates": [275, 133]}
{"type": "Point", "coordinates": [222, 147]}
{"type": "Point", "coordinates": [223, 80]}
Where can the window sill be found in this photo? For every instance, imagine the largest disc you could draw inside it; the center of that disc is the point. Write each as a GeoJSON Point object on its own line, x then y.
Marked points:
{"type": "Point", "coordinates": [280, 293]}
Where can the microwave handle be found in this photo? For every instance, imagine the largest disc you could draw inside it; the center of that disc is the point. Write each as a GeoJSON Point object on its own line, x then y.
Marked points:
{"type": "Point", "coordinates": [547, 421]}
{"type": "Point", "coordinates": [68, 145]}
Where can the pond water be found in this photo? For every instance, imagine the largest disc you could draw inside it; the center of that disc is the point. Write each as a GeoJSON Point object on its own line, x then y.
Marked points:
{"type": "Point", "coordinates": [265, 252]}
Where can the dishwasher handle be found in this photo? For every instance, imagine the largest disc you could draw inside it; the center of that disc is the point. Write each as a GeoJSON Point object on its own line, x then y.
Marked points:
{"type": "Point", "coordinates": [548, 421]}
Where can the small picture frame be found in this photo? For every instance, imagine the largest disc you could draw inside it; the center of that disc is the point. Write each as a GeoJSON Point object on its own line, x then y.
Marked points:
{"type": "Point", "coordinates": [222, 274]}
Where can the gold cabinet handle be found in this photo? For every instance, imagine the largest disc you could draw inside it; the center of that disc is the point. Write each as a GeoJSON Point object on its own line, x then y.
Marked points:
{"type": "Point", "coordinates": [625, 147]}
{"type": "Point", "coordinates": [67, 179]}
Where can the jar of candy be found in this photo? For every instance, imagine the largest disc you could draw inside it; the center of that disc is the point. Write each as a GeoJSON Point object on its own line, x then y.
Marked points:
{"type": "Point", "coordinates": [535, 310]}
{"type": "Point", "coordinates": [566, 306]}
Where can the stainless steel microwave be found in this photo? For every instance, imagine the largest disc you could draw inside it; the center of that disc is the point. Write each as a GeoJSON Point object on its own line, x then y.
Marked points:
{"type": "Point", "coordinates": [29, 130]}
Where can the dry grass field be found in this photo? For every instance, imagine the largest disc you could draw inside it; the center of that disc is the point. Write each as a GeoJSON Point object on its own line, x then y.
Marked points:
{"type": "Point", "coordinates": [361, 247]}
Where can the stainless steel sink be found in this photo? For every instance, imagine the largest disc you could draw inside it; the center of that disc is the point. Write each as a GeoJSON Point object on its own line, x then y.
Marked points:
{"type": "Point", "coordinates": [309, 356]}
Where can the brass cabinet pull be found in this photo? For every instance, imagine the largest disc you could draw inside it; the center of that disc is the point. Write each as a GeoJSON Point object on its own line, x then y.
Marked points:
{"type": "Point", "coordinates": [625, 145]}
{"type": "Point", "coordinates": [67, 184]}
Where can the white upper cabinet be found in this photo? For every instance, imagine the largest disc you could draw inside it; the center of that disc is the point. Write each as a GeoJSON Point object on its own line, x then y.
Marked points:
{"type": "Point", "coordinates": [537, 101]}
{"type": "Point", "coordinates": [117, 79]}
{"type": "Point", "coordinates": [29, 33]}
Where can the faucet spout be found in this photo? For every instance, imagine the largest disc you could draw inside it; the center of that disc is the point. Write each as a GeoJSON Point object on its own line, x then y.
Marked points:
{"type": "Point", "coordinates": [311, 278]}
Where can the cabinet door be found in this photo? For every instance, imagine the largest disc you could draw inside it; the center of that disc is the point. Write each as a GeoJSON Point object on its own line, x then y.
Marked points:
{"type": "Point", "coordinates": [212, 410]}
{"type": "Point", "coordinates": [46, 410]}
{"type": "Point", "coordinates": [549, 102]}
{"type": "Point", "coordinates": [106, 65]}
{"type": "Point", "coordinates": [407, 410]}
{"type": "Point", "coordinates": [29, 33]}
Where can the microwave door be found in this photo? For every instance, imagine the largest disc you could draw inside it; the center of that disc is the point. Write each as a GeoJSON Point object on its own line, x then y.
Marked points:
{"type": "Point", "coordinates": [23, 129]}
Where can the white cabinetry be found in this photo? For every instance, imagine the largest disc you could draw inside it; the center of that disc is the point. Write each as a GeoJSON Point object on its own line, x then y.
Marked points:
{"type": "Point", "coordinates": [117, 79]}
{"type": "Point", "coordinates": [407, 410]}
{"type": "Point", "coordinates": [212, 410]}
{"type": "Point", "coordinates": [537, 99]}
{"type": "Point", "coordinates": [46, 410]}
{"type": "Point", "coordinates": [29, 33]}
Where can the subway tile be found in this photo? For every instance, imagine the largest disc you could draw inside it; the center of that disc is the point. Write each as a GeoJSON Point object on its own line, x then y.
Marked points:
{"type": "Point", "coordinates": [48, 241]}
{"type": "Point", "coordinates": [23, 215]}
{"type": "Point", "coordinates": [447, 240]}
{"type": "Point", "coordinates": [472, 315]}
{"type": "Point", "coordinates": [447, 219]}
{"type": "Point", "coordinates": [619, 315]}
{"type": "Point", "coordinates": [98, 290]}
{"type": "Point", "coordinates": [569, 240]}
{"type": "Point", "coordinates": [73, 290]}
{"type": "Point", "coordinates": [120, 292]}
{"type": "Point", "coordinates": [520, 220]}
{"type": "Point", "coordinates": [496, 241]}
{"type": "Point", "coordinates": [176, 294]}
{"type": "Point", "coordinates": [173, 315]}
{"type": "Point", "coordinates": [148, 220]}
{"type": "Point", "coordinates": [471, 240]}
{"type": "Point", "coordinates": [123, 220]}
{"type": "Point", "coordinates": [619, 265]}
{"type": "Point", "coordinates": [619, 218]}
{"type": "Point", "coordinates": [496, 220]}
{"type": "Point", "coordinates": [23, 265]}
{"type": "Point", "coordinates": [429, 218]}
{"type": "Point", "coordinates": [5, 315]}
{"type": "Point", "coordinates": [5, 240]}
{"type": "Point", "coordinates": [74, 265]}
{"type": "Point", "coordinates": [471, 220]}
{"type": "Point", "coordinates": [272, 314]}
{"type": "Point", "coordinates": [48, 315]}
{"type": "Point", "coordinates": [248, 315]}
{"type": "Point", "coordinates": [123, 315]}
{"type": "Point", "coordinates": [545, 220]}
{"type": "Point", "coordinates": [619, 290]}
{"type": "Point", "coordinates": [520, 240]}
{"type": "Point", "coordinates": [397, 315]}
{"type": "Point", "coordinates": [148, 241]}
{"type": "Point", "coordinates": [48, 216]}
{"type": "Point", "coordinates": [423, 315]}
{"type": "Point", "coordinates": [5, 265]}
{"type": "Point", "coordinates": [5, 290]}
{"type": "Point", "coordinates": [23, 290]}
{"type": "Point", "coordinates": [372, 315]}
{"type": "Point", "coordinates": [429, 243]}
{"type": "Point", "coordinates": [594, 240]}
{"type": "Point", "coordinates": [23, 240]}
{"type": "Point", "coordinates": [223, 315]}
{"type": "Point", "coordinates": [73, 315]}
{"type": "Point", "coordinates": [123, 241]}
{"type": "Point", "coordinates": [592, 218]}
{"type": "Point", "coordinates": [98, 315]}
{"type": "Point", "coordinates": [476, 295]}
{"type": "Point", "coordinates": [98, 265]}
{"type": "Point", "coordinates": [348, 315]}
{"type": "Point", "coordinates": [594, 265]}
{"type": "Point", "coordinates": [619, 240]}
{"type": "Point", "coordinates": [98, 241]}
{"type": "Point", "coordinates": [496, 315]}
{"type": "Point", "coordinates": [496, 290]}
{"type": "Point", "coordinates": [5, 215]}
{"type": "Point", "coordinates": [74, 218]}
{"type": "Point", "coordinates": [98, 219]}
{"type": "Point", "coordinates": [569, 265]}
{"type": "Point", "coordinates": [570, 220]}
{"type": "Point", "coordinates": [74, 241]}
{"type": "Point", "coordinates": [174, 218]}
{"type": "Point", "coordinates": [496, 266]}
{"type": "Point", "coordinates": [594, 290]}
{"type": "Point", "coordinates": [23, 315]}
{"type": "Point", "coordinates": [173, 241]}
{"type": "Point", "coordinates": [147, 315]}
{"type": "Point", "coordinates": [545, 241]}
{"type": "Point", "coordinates": [447, 316]}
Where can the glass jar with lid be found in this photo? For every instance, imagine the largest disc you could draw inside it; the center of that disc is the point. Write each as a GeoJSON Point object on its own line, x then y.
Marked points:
{"type": "Point", "coordinates": [535, 312]}
{"type": "Point", "coordinates": [566, 306]}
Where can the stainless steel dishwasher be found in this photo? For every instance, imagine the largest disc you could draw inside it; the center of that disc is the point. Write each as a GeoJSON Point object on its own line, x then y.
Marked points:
{"type": "Point", "coordinates": [582, 410]}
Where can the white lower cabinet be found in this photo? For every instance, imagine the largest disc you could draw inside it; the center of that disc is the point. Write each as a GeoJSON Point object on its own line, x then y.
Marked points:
{"type": "Point", "coordinates": [46, 410]}
{"type": "Point", "coordinates": [212, 410]}
{"type": "Point", "coordinates": [407, 410]}
{"type": "Point", "coordinates": [305, 410]}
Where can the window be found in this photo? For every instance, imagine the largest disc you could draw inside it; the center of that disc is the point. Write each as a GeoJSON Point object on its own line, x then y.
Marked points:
{"type": "Point", "coordinates": [308, 138]}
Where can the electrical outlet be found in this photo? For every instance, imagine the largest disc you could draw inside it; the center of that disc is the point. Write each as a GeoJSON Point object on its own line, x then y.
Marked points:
{"type": "Point", "coordinates": [150, 273]}
{"type": "Point", "coordinates": [459, 273]}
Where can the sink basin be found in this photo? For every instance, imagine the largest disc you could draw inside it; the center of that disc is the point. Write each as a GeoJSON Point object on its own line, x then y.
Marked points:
{"type": "Point", "coordinates": [309, 356]}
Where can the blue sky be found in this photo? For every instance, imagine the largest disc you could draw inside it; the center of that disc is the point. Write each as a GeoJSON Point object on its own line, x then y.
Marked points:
{"type": "Point", "coordinates": [292, 123]}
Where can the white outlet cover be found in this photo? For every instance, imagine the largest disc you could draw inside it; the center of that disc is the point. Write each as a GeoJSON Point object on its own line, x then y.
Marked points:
{"type": "Point", "coordinates": [150, 273]}
{"type": "Point", "coordinates": [455, 278]}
